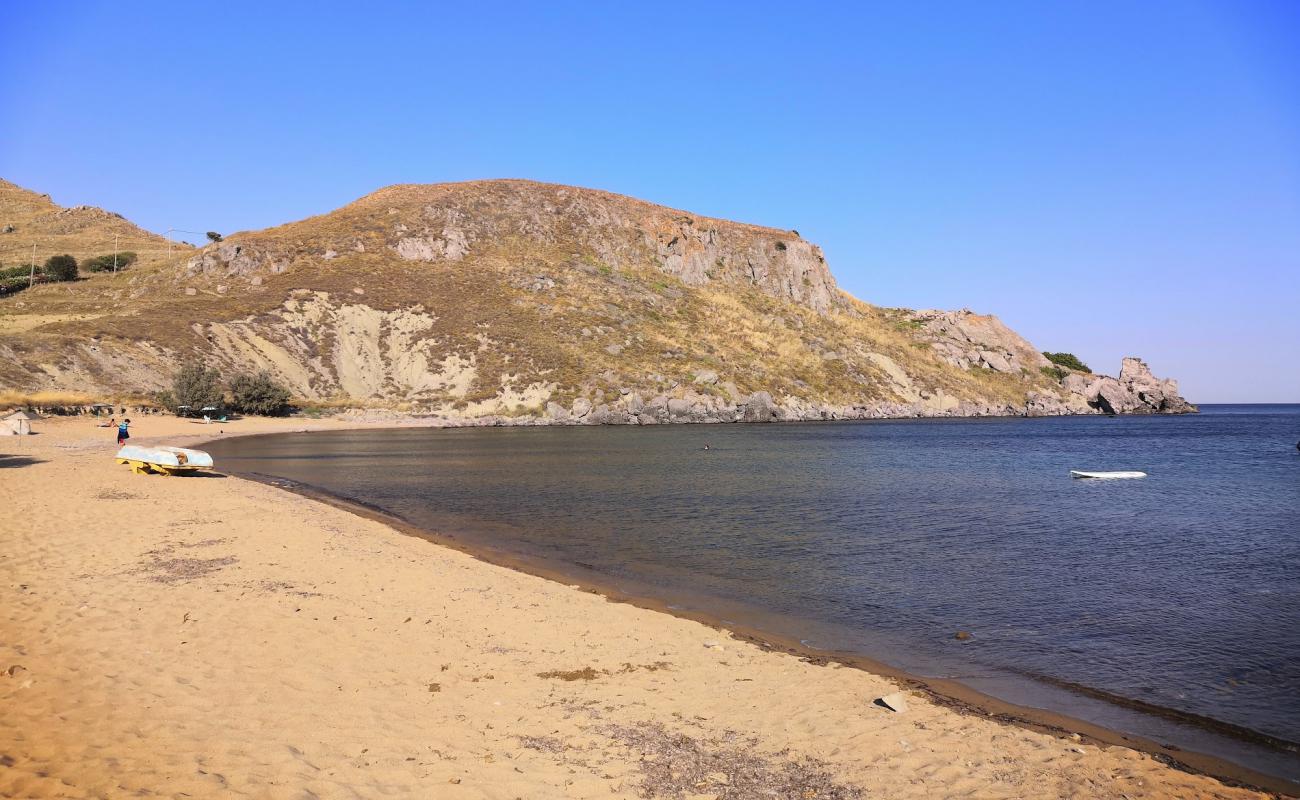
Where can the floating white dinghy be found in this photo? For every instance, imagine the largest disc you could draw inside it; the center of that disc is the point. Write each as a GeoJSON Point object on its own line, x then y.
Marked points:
{"type": "Point", "coordinates": [1075, 473]}
{"type": "Point", "coordinates": [163, 460]}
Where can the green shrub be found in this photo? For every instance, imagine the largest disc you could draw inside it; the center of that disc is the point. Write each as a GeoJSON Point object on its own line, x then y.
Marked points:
{"type": "Point", "coordinates": [1067, 360]}
{"type": "Point", "coordinates": [164, 399]}
{"type": "Point", "coordinates": [105, 263]}
{"type": "Point", "coordinates": [10, 286]}
{"type": "Point", "coordinates": [1054, 372]}
{"type": "Point", "coordinates": [258, 393]}
{"type": "Point", "coordinates": [196, 386]}
{"type": "Point", "coordinates": [61, 268]}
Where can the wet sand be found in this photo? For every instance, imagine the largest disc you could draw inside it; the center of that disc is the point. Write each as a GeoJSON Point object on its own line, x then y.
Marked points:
{"type": "Point", "coordinates": [215, 636]}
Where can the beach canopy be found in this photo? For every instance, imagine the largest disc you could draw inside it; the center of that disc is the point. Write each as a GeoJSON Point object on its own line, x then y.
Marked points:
{"type": "Point", "coordinates": [18, 423]}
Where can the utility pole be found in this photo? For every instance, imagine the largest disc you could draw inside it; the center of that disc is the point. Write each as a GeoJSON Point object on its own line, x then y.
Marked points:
{"type": "Point", "coordinates": [31, 278]}
{"type": "Point", "coordinates": [170, 231]}
{"type": "Point", "coordinates": [115, 252]}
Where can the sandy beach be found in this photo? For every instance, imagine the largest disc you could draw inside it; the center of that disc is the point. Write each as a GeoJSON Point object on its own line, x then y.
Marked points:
{"type": "Point", "coordinates": [213, 636]}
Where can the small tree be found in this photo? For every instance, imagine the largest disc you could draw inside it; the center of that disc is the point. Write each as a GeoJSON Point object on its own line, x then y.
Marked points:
{"type": "Point", "coordinates": [213, 236]}
{"type": "Point", "coordinates": [1067, 360]}
{"type": "Point", "coordinates": [164, 399]}
{"type": "Point", "coordinates": [196, 386]}
{"type": "Point", "coordinates": [258, 393]}
{"type": "Point", "coordinates": [61, 268]}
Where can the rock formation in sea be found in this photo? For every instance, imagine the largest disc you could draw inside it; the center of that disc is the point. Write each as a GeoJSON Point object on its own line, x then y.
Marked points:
{"type": "Point", "coordinates": [513, 302]}
{"type": "Point", "coordinates": [1136, 391]}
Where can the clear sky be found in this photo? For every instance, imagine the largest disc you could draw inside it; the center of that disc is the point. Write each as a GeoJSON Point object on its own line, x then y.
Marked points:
{"type": "Point", "coordinates": [1111, 178]}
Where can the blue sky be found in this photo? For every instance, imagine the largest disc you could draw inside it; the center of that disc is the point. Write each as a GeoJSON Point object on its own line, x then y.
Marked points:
{"type": "Point", "coordinates": [1111, 178]}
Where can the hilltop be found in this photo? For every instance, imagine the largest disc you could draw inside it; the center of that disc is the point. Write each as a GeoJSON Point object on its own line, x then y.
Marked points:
{"type": "Point", "coordinates": [28, 218]}
{"type": "Point", "coordinates": [528, 300]}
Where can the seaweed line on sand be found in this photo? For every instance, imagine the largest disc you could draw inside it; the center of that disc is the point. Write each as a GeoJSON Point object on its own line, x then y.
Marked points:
{"type": "Point", "coordinates": [674, 765]}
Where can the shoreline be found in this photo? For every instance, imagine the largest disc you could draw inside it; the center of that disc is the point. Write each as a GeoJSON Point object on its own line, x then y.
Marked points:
{"type": "Point", "coordinates": [758, 409]}
{"type": "Point", "coordinates": [951, 736]}
{"type": "Point", "coordinates": [948, 692]}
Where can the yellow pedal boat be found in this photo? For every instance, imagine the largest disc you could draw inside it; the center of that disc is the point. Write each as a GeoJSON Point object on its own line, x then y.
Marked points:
{"type": "Point", "coordinates": [163, 460]}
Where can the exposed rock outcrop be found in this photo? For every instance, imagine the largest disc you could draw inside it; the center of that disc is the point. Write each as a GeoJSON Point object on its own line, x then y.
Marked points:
{"type": "Point", "coordinates": [968, 340]}
{"type": "Point", "coordinates": [234, 259]}
{"type": "Point", "coordinates": [446, 222]}
{"type": "Point", "coordinates": [965, 339]}
{"type": "Point", "coordinates": [1135, 391]}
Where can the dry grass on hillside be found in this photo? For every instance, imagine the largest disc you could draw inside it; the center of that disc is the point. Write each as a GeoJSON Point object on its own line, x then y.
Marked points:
{"type": "Point", "coordinates": [58, 399]}
{"type": "Point", "coordinates": [80, 231]}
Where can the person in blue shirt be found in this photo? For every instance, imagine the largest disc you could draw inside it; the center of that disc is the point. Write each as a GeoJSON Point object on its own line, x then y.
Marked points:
{"type": "Point", "coordinates": [123, 432]}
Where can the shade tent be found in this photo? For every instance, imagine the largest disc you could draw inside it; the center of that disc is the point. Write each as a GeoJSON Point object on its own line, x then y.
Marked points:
{"type": "Point", "coordinates": [18, 423]}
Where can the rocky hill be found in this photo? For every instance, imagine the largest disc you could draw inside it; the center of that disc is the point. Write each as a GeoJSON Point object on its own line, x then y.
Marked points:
{"type": "Point", "coordinates": [519, 300]}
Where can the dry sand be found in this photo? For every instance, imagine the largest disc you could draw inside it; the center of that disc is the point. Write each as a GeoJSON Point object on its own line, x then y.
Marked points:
{"type": "Point", "coordinates": [205, 637]}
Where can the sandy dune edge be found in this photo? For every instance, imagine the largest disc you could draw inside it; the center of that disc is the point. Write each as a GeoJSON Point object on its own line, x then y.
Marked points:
{"type": "Point", "coordinates": [216, 637]}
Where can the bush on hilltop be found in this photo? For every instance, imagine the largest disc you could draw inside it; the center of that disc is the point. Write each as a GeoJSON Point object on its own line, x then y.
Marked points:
{"type": "Point", "coordinates": [1067, 360]}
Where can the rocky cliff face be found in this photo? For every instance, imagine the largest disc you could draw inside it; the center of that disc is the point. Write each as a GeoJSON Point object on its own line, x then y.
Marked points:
{"type": "Point", "coordinates": [968, 340]}
{"type": "Point", "coordinates": [511, 301]}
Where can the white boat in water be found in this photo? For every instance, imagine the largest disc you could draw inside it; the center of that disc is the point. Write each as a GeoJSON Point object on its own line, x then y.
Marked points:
{"type": "Point", "coordinates": [1075, 473]}
{"type": "Point", "coordinates": [163, 460]}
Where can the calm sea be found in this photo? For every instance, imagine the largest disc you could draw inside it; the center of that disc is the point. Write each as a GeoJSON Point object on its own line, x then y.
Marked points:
{"type": "Point", "coordinates": [1181, 590]}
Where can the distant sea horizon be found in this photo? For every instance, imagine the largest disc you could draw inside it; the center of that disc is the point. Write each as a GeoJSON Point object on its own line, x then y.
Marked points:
{"type": "Point", "coordinates": [1253, 403]}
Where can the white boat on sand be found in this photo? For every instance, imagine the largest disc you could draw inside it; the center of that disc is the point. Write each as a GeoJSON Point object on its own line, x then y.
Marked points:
{"type": "Point", "coordinates": [1076, 473]}
{"type": "Point", "coordinates": [163, 460]}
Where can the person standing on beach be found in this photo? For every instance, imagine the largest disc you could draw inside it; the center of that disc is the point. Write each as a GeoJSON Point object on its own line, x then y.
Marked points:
{"type": "Point", "coordinates": [123, 432]}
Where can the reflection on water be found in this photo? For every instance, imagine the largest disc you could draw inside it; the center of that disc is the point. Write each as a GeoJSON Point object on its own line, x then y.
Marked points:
{"type": "Point", "coordinates": [1180, 590]}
